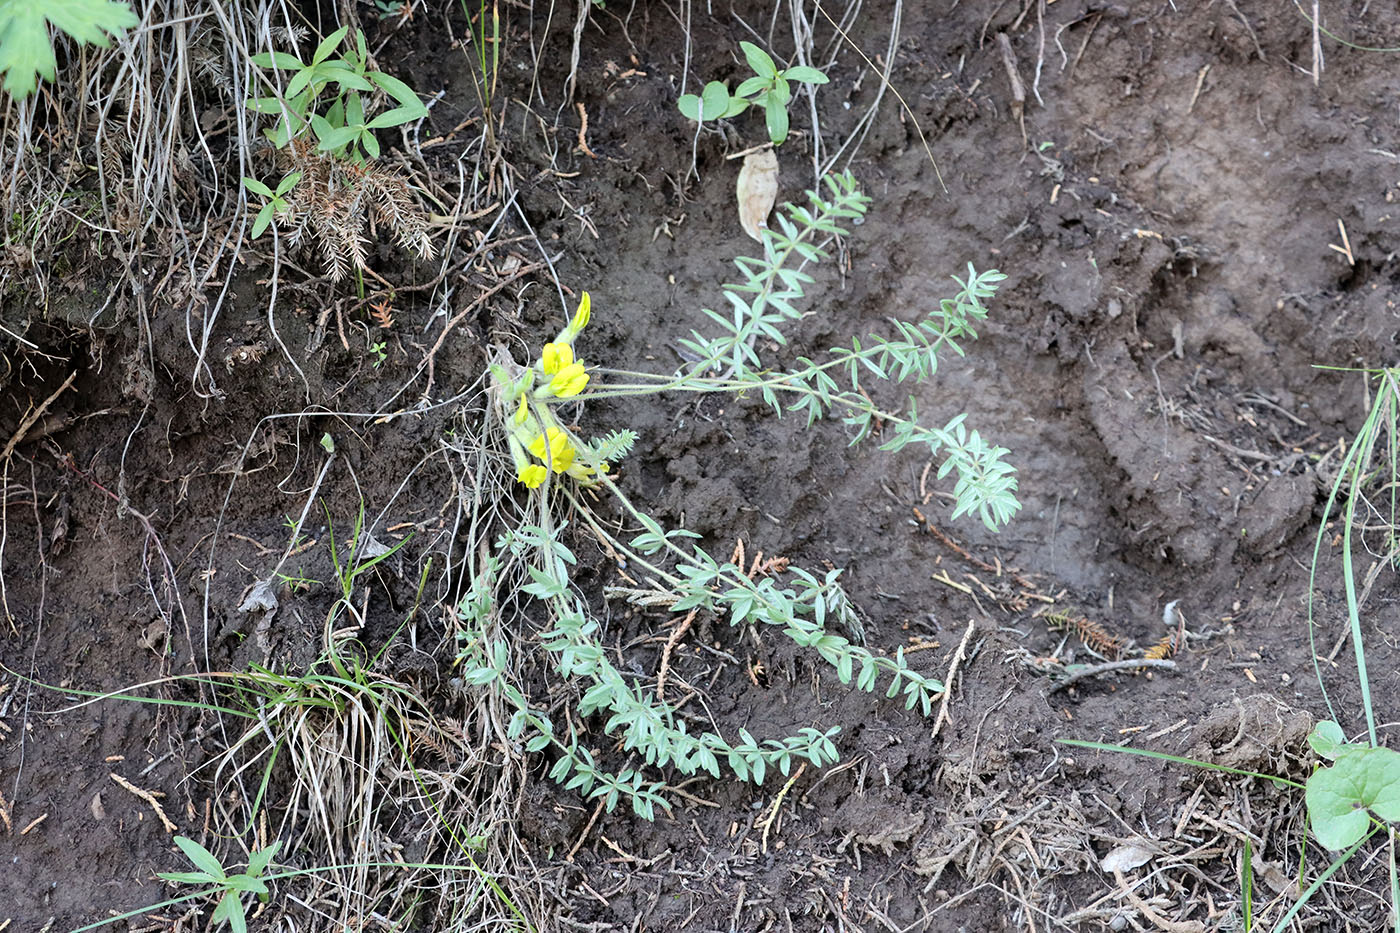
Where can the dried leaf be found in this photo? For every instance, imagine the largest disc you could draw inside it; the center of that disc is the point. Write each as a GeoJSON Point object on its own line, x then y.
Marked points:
{"type": "Point", "coordinates": [1125, 858]}
{"type": "Point", "coordinates": [758, 191]}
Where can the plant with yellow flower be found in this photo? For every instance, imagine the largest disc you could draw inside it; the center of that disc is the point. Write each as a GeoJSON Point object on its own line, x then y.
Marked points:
{"type": "Point", "coordinates": [662, 568]}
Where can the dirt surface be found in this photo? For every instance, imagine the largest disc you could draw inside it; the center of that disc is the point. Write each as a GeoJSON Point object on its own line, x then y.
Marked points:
{"type": "Point", "coordinates": [1163, 212]}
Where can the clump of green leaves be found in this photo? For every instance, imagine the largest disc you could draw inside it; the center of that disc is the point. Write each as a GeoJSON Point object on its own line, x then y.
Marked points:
{"type": "Point", "coordinates": [26, 52]}
{"type": "Point", "coordinates": [769, 88]}
{"type": "Point", "coordinates": [212, 874]}
{"type": "Point", "coordinates": [326, 99]}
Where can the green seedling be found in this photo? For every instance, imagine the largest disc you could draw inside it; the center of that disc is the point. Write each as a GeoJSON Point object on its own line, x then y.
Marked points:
{"type": "Point", "coordinates": [379, 351]}
{"type": "Point", "coordinates": [769, 88]}
{"type": "Point", "coordinates": [276, 200]}
{"type": "Point", "coordinates": [231, 888]}
{"type": "Point", "coordinates": [26, 50]}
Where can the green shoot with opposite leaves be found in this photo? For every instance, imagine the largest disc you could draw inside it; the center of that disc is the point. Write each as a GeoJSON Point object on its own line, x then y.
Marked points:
{"type": "Point", "coordinates": [769, 88]}
{"type": "Point", "coordinates": [211, 873]}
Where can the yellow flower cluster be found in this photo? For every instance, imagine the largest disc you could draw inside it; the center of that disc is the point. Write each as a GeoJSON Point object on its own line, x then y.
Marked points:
{"type": "Point", "coordinates": [534, 432]}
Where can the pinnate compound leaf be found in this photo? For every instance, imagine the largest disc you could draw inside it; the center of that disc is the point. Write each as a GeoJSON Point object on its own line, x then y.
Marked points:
{"type": "Point", "coordinates": [26, 54]}
{"type": "Point", "coordinates": [1342, 797]}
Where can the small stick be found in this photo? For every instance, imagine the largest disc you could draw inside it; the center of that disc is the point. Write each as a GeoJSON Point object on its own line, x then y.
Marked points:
{"type": "Point", "coordinates": [958, 657]}
{"type": "Point", "coordinates": [1345, 248]}
{"type": "Point", "coordinates": [1200, 83]}
{"type": "Point", "coordinates": [149, 798]}
{"type": "Point", "coordinates": [767, 822]}
{"type": "Point", "coordinates": [671, 642]}
{"type": "Point", "coordinates": [584, 835]}
{"type": "Point", "coordinates": [1108, 667]}
{"type": "Point", "coordinates": [583, 132]}
{"type": "Point", "coordinates": [32, 824]}
{"type": "Point", "coordinates": [38, 413]}
{"type": "Point", "coordinates": [1018, 90]}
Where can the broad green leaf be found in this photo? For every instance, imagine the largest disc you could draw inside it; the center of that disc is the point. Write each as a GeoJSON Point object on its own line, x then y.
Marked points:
{"type": "Point", "coordinates": [1342, 797]}
{"type": "Point", "coordinates": [285, 185]}
{"type": "Point", "coordinates": [396, 117]}
{"type": "Point", "coordinates": [259, 860]}
{"type": "Point", "coordinates": [188, 877]}
{"type": "Point", "coordinates": [759, 60]}
{"type": "Point", "coordinates": [370, 144]}
{"type": "Point", "coordinates": [714, 100]}
{"type": "Point", "coordinates": [1327, 739]}
{"type": "Point", "coordinates": [689, 106]}
{"type": "Point", "coordinates": [25, 51]}
{"type": "Point", "coordinates": [805, 75]}
{"type": "Point", "coordinates": [200, 857]}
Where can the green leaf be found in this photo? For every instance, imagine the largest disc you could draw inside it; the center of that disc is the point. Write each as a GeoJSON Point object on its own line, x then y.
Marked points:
{"type": "Point", "coordinates": [231, 909]}
{"type": "Point", "coordinates": [288, 183]}
{"type": "Point", "coordinates": [299, 81]}
{"type": "Point", "coordinates": [1339, 797]}
{"type": "Point", "coordinates": [188, 877]}
{"type": "Point", "coordinates": [257, 187]}
{"type": "Point", "coordinates": [737, 105]}
{"type": "Point", "coordinates": [328, 45]}
{"type": "Point", "coordinates": [805, 75]}
{"type": "Point", "coordinates": [751, 86]}
{"type": "Point", "coordinates": [777, 119]}
{"type": "Point", "coordinates": [200, 857]}
{"type": "Point", "coordinates": [369, 143]}
{"type": "Point", "coordinates": [260, 223]}
{"type": "Point", "coordinates": [283, 60]}
{"type": "Point", "coordinates": [714, 100]}
{"type": "Point", "coordinates": [689, 105]}
{"type": "Point", "coordinates": [402, 93]}
{"type": "Point", "coordinates": [396, 117]}
{"type": "Point", "coordinates": [259, 860]}
{"type": "Point", "coordinates": [759, 60]}
{"type": "Point", "coordinates": [337, 137]}
{"type": "Point", "coordinates": [1328, 740]}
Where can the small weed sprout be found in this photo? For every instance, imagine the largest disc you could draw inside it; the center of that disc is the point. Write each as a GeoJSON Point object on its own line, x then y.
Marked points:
{"type": "Point", "coordinates": [769, 88]}
{"type": "Point", "coordinates": [231, 888]}
{"type": "Point", "coordinates": [812, 610]}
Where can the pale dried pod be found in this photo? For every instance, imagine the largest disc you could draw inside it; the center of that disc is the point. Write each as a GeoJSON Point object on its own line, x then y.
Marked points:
{"type": "Point", "coordinates": [758, 191]}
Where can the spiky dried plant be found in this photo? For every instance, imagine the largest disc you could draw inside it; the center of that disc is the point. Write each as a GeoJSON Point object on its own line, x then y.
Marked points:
{"type": "Point", "coordinates": [337, 200]}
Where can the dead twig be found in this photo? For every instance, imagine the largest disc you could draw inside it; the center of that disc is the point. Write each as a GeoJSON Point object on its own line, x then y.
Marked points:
{"type": "Point", "coordinates": [148, 797]}
{"type": "Point", "coordinates": [31, 418]}
{"type": "Point", "coordinates": [1108, 667]}
{"type": "Point", "coordinates": [671, 643]}
{"type": "Point", "coordinates": [958, 657]}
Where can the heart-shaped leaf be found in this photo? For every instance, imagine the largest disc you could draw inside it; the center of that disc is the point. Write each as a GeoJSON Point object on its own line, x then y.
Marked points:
{"type": "Point", "coordinates": [1339, 797]}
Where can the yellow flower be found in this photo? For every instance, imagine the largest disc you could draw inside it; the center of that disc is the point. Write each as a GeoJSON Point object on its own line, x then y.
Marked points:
{"type": "Point", "coordinates": [560, 452]}
{"type": "Point", "coordinates": [582, 315]}
{"type": "Point", "coordinates": [523, 412]}
{"type": "Point", "coordinates": [569, 381]}
{"type": "Point", "coordinates": [585, 474]}
{"type": "Point", "coordinates": [556, 356]}
{"type": "Point", "coordinates": [532, 476]}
